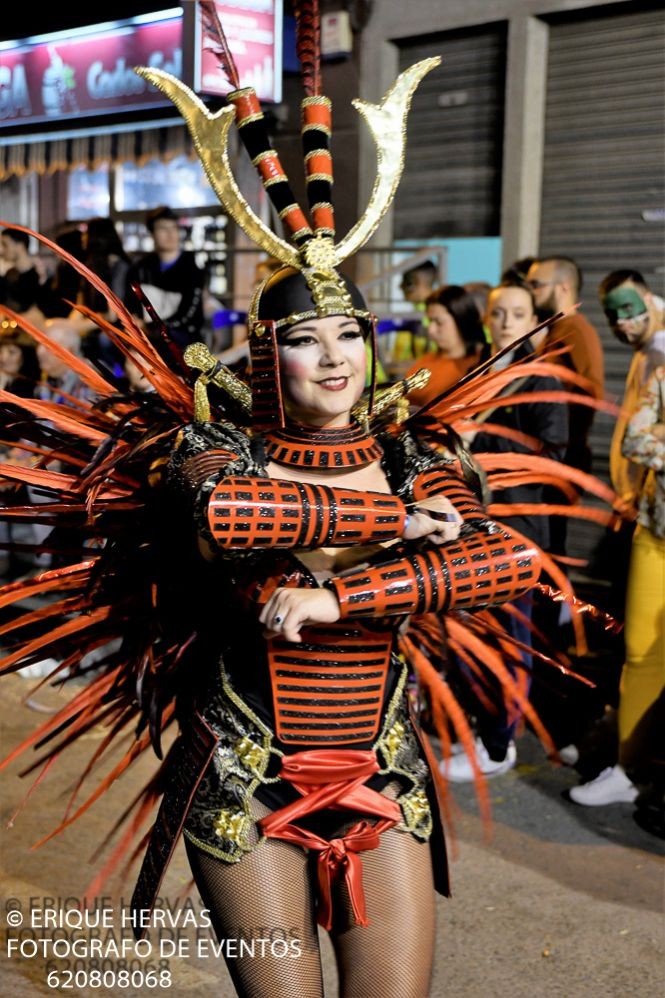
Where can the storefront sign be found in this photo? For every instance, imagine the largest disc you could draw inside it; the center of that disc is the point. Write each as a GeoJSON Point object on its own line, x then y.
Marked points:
{"type": "Point", "coordinates": [253, 29]}
{"type": "Point", "coordinates": [87, 71]}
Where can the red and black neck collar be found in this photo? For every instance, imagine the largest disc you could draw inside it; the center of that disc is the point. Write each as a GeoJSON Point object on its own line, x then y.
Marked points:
{"type": "Point", "coordinates": [322, 447]}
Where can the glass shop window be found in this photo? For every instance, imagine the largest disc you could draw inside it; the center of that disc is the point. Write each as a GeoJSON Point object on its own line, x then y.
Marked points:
{"type": "Point", "coordinates": [179, 183]}
{"type": "Point", "coordinates": [88, 193]}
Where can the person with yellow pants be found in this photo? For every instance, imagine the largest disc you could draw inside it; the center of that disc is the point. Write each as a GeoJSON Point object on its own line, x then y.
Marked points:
{"type": "Point", "coordinates": [643, 677]}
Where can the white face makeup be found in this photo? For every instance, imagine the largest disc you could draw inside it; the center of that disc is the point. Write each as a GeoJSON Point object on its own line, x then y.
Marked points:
{"type": "Point", "coordinates": [322, 368]}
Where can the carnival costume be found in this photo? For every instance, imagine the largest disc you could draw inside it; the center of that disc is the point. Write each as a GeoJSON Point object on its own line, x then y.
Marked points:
{"type": "Point", "coordinates": [313, 731]}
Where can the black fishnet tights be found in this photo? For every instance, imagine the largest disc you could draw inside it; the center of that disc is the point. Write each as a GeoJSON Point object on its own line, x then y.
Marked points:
{"type": "Point", "coordinates": [269, 895]}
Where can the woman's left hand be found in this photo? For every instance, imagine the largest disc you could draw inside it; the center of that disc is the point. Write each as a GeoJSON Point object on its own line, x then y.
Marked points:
{"type": "Point", "coordinates": [288, 610]}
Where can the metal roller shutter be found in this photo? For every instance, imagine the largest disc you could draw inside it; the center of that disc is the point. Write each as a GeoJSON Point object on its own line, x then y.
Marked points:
{"type": "Point", "coordinates": [603, 175]}
{"type": "Point", "coordinates": [604, 158]}
{"type": "Point", "coordinates": [452, 181]}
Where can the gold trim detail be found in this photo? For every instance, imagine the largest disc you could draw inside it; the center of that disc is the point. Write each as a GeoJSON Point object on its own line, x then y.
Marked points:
{"type": "Point", "coordinates": [416, 811]}
{"type": "Point", "coordinates": [251, 754]}
{"type": "Point", "coordinates": [289, 208]}
{"type": "Point", "coordinates": [233, 825]}
{"type": "Point", "coordinates": [319, 254]}
{"type": "Point", "coordinates": [353, 313]}
{"type": "Point", "coordinates": [297, 235]}
{"type": "Point", "coordinates": [318, 152]}
{"type": "Point", "coordinates": [316, 128]}
{"type": "Point", "coordinates": [392, 741]}
{"type": "Point", "coordinates": [317, 99]}
{"type": "Point", "coordinates": [266, 154]}
{"type": "Point", "coordinates": [249, 119]}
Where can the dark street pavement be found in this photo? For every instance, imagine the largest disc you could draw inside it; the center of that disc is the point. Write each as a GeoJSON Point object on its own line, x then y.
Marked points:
{"type": "Point", "coordinates": [559, 900]}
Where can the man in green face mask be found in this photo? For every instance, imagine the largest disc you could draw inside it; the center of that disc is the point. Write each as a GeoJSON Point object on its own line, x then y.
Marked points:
{"type": "Point", "coordinates": [628, 308]}
{"type": "Point", "coordinates": [635, 316]}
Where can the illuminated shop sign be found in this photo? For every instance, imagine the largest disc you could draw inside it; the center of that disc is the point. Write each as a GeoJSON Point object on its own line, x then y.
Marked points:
{"type": "Point", "coordinates": [253, 29]}
{"type": "Point", "coordinates": [89, 71]}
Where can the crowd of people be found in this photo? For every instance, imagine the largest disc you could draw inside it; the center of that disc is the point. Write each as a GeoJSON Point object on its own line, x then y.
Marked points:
{"type": "Point", "coordinates": [463, 336]}
{"type": "Point", "coordinates": [461, 327]}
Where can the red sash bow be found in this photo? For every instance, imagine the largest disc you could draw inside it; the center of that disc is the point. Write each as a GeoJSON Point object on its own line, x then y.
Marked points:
{"type": "Point", "coordinates": [334, 778]}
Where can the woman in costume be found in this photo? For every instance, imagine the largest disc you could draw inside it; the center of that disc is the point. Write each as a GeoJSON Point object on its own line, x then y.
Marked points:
{"type": "Point", "coordinates": [259, 563]}
{"type": "Point", "coordinates": [314, 751]}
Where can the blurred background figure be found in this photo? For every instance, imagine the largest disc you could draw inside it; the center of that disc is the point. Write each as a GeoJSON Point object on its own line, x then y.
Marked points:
{"type": "Point", "coordinates": [21, 282]}
{"type": "Point", "coordinates": [57, 382]}
{"type": "Point", "coordinates": [64, 285]}
{"type": "Point", "coordinates": [640, 713]}
{"type": "Point", "coordinates": [58, 379]}
{"type": "Point", "coordinates": [510, 314]}
{"type": "Point", "coordinates": [556, 283]}
{"type": "Point", "coordinates": [479, 290]}
{"type": "Point", "coordinates": [19, 370]}
{"type": "Point", "coordinates": [265, 268]}
{"type": "Point", "coordinates": [637, 458]}
{"type": "Point", "coordinates": [136, 380]}
{"type": "Point", "coordinates": [456, 332]}
{"type": "Point", "coordinates": [405, 345]}
{"type": "Point", "coordinates": [418, 283]}
{"type": "Point", "coordinates": [172, 281]}
{"type": "Point", "coordinates": [518, 270]}
{"type": "Point", "coordinates": [637, 321]}
{"type": "Point", "coordinates": [105, 255]}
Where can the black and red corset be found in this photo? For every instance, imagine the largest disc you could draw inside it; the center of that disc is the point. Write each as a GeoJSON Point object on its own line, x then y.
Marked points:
{"type": "Point", "coordinates": [330, 689]}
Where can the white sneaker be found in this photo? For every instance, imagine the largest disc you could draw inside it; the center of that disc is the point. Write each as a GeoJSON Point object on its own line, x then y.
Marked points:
{"type": "Point", "coordinates": [457, 769]}
{"type": "Point", "coordinates": [569, 755]}
{"type": "Point", "coordinates": [612, 786]}
{"type": "Point", "coordinates": [38, 670]}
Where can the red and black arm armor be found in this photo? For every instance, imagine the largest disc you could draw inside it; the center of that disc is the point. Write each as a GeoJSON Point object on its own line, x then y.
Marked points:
{"type": "Point", "coordinates": [269, 513]}
{"type": "Point", "coordinates": [486, 565]}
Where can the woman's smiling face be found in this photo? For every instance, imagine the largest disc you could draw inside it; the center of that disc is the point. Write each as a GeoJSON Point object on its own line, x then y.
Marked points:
{"type": "Point", "coordinates": [322, 369]}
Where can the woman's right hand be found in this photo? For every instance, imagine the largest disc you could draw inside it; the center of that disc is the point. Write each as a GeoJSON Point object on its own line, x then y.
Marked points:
{"type": "Point", "coordinates": [436, 519]}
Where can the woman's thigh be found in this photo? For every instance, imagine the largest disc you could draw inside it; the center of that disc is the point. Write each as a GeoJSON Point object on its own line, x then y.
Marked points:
{"type": "Point", "coordinates": [391, 957]}
{"type": "Point", "coordinates": [263, 910]}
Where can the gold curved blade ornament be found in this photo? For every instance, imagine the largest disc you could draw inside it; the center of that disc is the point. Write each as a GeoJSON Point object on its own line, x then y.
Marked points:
{"type": "Point", "coordinates": [210, 133]}
{"type": "Point", "coordinates": [387, 123]}
{"type": "Point", "coordinates": [387, 397]}
{"type": "Point", "coordinates": [198, 357]}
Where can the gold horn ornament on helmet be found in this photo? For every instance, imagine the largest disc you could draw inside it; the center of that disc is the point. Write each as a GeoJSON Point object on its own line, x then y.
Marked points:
{"type": "Point", "coordinates": [386, 122]}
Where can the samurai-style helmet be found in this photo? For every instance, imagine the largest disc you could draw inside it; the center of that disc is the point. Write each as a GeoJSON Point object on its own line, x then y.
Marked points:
{"type": "Point", "coordinates": [309, 284]}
